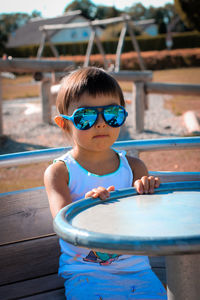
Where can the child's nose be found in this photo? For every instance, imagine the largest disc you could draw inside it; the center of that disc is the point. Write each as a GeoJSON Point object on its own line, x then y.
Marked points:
{"type": "Point", "coordinates": [100, 121]}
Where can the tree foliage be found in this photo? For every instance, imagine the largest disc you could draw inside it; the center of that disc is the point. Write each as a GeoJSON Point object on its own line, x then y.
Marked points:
{"type": "Point", "coordinates": [189, 12]}
{"type": "Point", "coordinates": [10, 22]}
{"type": "Point", "coordinates": [104, 12]}
{"type": "Point", "coordinates": [87, 7]}
{"type": "Point", "coordinates": [162, 15]}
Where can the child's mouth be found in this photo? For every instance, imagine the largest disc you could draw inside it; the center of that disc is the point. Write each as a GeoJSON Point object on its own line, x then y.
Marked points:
{"type": "Point", "coordinates": [100, 136]}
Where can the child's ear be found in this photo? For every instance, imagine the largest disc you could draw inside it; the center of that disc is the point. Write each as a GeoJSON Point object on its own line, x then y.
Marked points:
{"type": "Point", "coordinates": [60, 122]}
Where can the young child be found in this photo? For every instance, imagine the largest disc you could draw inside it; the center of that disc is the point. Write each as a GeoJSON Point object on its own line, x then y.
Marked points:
{"type": "Point", "coordinates": [91, 111]}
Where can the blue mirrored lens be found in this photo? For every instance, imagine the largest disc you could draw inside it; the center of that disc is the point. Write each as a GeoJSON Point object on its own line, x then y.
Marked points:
{"type": "Point", "coordinates": [114, 115]}
{"type": "Point", "coordinates": [85, 118]}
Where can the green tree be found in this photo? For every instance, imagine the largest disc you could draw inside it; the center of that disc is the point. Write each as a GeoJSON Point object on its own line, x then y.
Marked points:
{"type": "Point", "coordinates": [189, 12]}
{"type": "Point", "coordinates": [10, 22]}
{"type": "Point", "coordinates": [35, 14]}
{"type": "Point", "coordinates": [109, 12]}
{"type": "Point", "coordinates": [87, 7]}
{"type": "Point", "coordinates": [137, 11]}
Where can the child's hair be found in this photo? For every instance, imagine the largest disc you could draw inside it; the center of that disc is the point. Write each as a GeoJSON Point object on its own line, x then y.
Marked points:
{"type": "Point", "coordinates": [91, 80]}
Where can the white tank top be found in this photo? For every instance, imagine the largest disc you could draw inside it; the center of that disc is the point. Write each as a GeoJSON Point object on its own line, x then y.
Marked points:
{"type": "Point", "coordinates": [75, 259]}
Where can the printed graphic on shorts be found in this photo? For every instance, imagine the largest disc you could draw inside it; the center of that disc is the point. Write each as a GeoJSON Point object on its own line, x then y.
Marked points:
{"type": "Point", "coordinates": [102, 258]}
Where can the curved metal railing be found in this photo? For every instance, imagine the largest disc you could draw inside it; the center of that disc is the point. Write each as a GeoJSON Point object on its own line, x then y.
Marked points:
{"type": "Point", "coordinates": [29, 157]}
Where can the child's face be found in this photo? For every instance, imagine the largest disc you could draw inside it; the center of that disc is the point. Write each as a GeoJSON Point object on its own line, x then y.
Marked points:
{"type": "Point", "coordinates": [100, 136]}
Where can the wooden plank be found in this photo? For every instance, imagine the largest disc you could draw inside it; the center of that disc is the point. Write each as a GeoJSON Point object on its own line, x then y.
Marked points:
{"type": "Point", "coordinates": [29, 259]}
{"type": "Point", "coordinates": [95, 23]}
{"type": "Point", "coordinates": [89, 48]}
{"type": "Point", "coordinates": [1, 113]}
{"type": "Point", "coordinates": [136, 47]}
{"type": "Point", "coordinates": [31, 287]}
{"type": "Point", "coordinates": [139, 107]}
{"type": "Point", "coordinates": [46, 101]}
{"type": "Point", "coordinates": [34, 65]}
{"type": "Point", "coordinates": [101, 50]}
{"type": "Point", "coordinates": [173, 89]}
{"type": "Point", "coordinates": [53, 295]}
{"type": "Point", "coordinates": [24, 215]}
{"type": "Point", "coordinates": [82, 24]}
{"type": "Point", "coordinates": [120, 47]}
{"type": "Point", "coordinates": [42, 43]}
{"type": "Point", "coordinates": [134, 76]}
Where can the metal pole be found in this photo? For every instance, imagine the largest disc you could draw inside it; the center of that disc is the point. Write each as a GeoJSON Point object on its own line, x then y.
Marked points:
{"type": "Point", "coordinates": [46, 101]}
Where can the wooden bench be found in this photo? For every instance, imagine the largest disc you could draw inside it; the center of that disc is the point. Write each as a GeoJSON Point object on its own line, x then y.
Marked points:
{"type": "Point", "coordinates": [29, 248]}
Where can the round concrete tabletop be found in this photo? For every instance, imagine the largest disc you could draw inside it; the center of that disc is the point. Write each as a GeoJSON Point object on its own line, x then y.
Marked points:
{"type": "Point", "coordinates": [166, 222]}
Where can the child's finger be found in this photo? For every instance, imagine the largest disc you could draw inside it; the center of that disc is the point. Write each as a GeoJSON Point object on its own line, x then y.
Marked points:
{"type": "Point", "coordinates": [111, 188]}
{"type": "Point", "coordinates": [90, 194]}
{"type": "Point", "coordinates": [103, 193]}
{"type": "Point", "coordinates": [157, 182]}
{"type": "Point", "coordinates": [99, 192]}
{"type": "Point", "coordinates": [151, 184]}
{"type": "Point", "coordinates": [145, 182]}
{"type": "Point", "coordinates": [139, 186]}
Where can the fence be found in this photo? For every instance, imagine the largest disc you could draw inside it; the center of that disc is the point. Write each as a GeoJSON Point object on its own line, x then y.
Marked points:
{"type": "Point", "coordinates": [141, 79]}
{"type": "Point", "coordinates": [35, 67]}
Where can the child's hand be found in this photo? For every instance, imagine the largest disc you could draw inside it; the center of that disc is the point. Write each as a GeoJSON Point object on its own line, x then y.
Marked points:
{"type": "Point", "coordinates": [146, 185]}
{"type": "Point", "coordinates": [100, 192]}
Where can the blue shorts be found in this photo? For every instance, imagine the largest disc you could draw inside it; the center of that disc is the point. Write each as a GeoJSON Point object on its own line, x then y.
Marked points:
{"type": "Point", "coordinates": [141, 285]}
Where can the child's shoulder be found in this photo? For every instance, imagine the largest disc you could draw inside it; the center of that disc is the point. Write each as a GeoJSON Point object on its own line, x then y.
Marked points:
{"type": "Point", "coordinates": [56, 171]}
{"type": "Point", "coordinates": [138, 167]}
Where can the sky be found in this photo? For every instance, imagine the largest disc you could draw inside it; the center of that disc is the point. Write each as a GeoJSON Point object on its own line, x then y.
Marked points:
{"type": "Point", "coordinates": [50, 8]}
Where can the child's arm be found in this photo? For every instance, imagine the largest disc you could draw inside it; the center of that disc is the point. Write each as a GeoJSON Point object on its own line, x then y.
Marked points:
{"type": "Point", "coordinates": [141, 179]}
{"type": "Point", "coordinates": [56, 180]}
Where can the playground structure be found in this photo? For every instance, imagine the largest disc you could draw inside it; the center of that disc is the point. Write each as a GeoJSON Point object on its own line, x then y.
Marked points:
{"type": "Point", "coordinates": [127, 26]}
{"type": "Point", "coordinates": [29, 249]}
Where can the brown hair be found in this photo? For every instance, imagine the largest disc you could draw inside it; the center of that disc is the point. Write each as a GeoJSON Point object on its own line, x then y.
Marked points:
{"type": "Point", "coordinates": [91, 80]}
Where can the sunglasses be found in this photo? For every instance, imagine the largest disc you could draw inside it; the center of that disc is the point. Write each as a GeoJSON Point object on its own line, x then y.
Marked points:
{"type": "Point", "coordinates": [85, 117]}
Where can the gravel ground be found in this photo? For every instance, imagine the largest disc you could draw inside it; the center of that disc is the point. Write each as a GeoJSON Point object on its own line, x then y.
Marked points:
{"type": "Point", "coordinates": [158, 122]}
{"type": "Point", "coordinates": [24, 130]}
